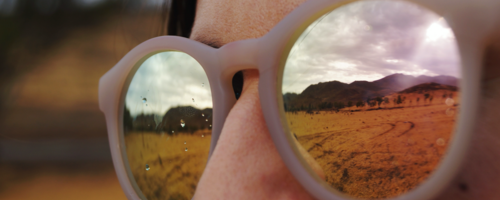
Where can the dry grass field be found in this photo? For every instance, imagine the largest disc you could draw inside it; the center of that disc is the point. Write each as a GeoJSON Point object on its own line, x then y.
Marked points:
{"type": "Point", "coordinates": [173, 172]}
{"type": "Point", "coordinates": [376, 153]}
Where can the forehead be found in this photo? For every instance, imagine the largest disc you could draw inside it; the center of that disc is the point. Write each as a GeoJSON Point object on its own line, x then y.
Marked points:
{"type": "Point", "coordinates": [219, 22]}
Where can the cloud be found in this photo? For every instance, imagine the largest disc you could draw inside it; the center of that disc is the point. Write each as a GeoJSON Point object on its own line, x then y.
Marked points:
{"type": "Point", "coordinates": [369, 40]}
{"type": "Point", "coordinates": [166, 80]}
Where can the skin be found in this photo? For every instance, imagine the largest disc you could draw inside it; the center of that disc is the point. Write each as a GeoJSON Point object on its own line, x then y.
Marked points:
{"type": "Point", "coordinates": [246, 164]}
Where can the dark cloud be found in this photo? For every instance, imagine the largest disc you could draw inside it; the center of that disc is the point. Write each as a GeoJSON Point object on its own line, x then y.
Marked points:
{"type": "Point", "coordinates": [374, 38]}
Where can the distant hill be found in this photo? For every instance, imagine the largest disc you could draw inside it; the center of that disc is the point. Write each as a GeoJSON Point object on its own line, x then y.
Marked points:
{"type": "Point", "coordinates": [194, 119]}
{"type": "Point", "coordinates": [426, 87]}
{"type": "Point", "coordinates": [335, 91]}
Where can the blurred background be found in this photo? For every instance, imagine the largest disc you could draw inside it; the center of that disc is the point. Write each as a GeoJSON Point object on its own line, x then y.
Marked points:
{"type": "Point", "coordinates": [53, 139]}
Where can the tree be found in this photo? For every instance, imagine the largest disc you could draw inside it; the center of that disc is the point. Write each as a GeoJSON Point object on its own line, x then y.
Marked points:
{"type": "Point", "coordinates": [418, 99]}
{"type": "Point", "coordinates": [379, 101]}
{"type": "Point", "coordinates": [400, 100]}
{"type": "Point", "coordinates": [349, 104]}
{"type": "Point", "coordinates": [386, 101]}
{"type": "Point", "coordinates": [360, 104]}
{"type": "Point", "coordinates": [325, 105]}
{"type": "Point", "coordinates": [338, 105]}
{"type": "Point", "coordinates": [430, 99]}
{"type": "Point", "coordinates": [309, 109]}
{"type": "Point", "coordinates": [192, 129]}
{"type": "Point", "coordinates": [127, 119]}
{"type": "Point", "coordinates": [426, 96]}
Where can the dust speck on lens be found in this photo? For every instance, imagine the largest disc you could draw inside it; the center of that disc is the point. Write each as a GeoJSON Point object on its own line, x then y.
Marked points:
{"type": "Point", "coordinates": [144, 100]}
{"type": "Point", "coordinates": [193, 99]}
{"type": "Point", "coordinates": [186, 149]}
{"type": "Point", "coordinates": [202, 84]}
{"type": "Point", "coordinates": [203, 115]}
{"type": "Point", "coordinates": [210, 125]}
{"type": "Point", "coordinates": [147, 167]}
{"type": "Point", "coordinates": [449, 102]}
{"type": "Point", "coordinates": [184, 142]}
{"type": "Point", "coordinates": [183, 123]}
{"type": "Point", "coordinates": [202, 135]}
{"type": "Point", "coordinates": [440, 141]}
{"type": "Point", "coordinates": [450, 112]}
{"type": "Point", "coordinates": [206, 120]}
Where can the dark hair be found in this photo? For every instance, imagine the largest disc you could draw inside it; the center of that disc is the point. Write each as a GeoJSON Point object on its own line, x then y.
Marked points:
{"type": "Point", "coordinates": [179, 16]}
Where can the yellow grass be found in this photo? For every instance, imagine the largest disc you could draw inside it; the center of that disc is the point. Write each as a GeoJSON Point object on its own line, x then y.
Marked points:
{"type": "Point", "coordinates": [377, 153]}
{"type": "Point", "coordinates": [173, 172]}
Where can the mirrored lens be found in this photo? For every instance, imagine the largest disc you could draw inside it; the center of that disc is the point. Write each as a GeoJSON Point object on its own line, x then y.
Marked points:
{"type": "Point", "coordinates": [370, 92]}
{"type": "Point", "coordinates": [167, 125]}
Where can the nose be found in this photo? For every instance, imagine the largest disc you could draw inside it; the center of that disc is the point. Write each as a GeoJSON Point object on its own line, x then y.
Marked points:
{"type": "Point", "coordinates": [245, 164]}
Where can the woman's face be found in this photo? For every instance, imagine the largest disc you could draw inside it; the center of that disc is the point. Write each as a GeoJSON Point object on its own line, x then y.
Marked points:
{"type": "Point", "coordinates": [246, 164]}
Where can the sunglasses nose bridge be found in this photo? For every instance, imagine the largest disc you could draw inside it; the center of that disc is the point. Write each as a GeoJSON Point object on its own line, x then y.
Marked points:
{"type": "Point", "coordinates": [239, 55]}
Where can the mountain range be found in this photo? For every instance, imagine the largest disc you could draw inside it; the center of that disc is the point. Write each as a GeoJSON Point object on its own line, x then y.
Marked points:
{"type": "Point", "coordinates": [335, 91]}
{"type": "Point", "coordinates": [326, 92]}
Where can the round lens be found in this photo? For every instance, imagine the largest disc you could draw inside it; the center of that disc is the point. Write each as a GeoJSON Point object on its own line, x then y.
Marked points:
{"type": "Point", "coordinates": [167, 126]}
{"type": "Point", "coordinates": [370, 92]}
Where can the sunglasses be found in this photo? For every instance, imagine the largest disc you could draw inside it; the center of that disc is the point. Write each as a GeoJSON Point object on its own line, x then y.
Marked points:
{"type": "Point", "coordinates": [382, 99]}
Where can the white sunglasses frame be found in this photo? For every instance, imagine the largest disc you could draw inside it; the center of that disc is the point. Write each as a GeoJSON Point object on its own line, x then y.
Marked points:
{"type": "Point", "coordinates": [268, 55]}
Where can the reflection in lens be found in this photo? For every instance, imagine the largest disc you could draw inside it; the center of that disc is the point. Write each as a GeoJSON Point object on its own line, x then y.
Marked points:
{"type": "Point", "coordinates": [370, 91]}
{"type": "Point", "coordinates": [162, 121]}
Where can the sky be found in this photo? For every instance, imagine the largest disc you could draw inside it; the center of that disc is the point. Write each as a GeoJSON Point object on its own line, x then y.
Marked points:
{"type": "Point", "coordinates": [370, 40]}
{"type": "Point", "coordinates": [167, 80]}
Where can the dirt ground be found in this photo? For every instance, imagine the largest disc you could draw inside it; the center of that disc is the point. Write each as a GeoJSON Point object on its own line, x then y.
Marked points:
{"type": "Point", "coordinates": [377, 153]}
{"type": "Point", "coordinates": [176, 162]}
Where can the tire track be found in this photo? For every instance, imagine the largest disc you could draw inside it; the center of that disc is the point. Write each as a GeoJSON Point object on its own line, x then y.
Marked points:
{"type": "Point", "coordinates": [320, 144]}
{"type": "Point", "coordinates": [392, 128]}
{"type": "Point", "coordinates": [411, 127]}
